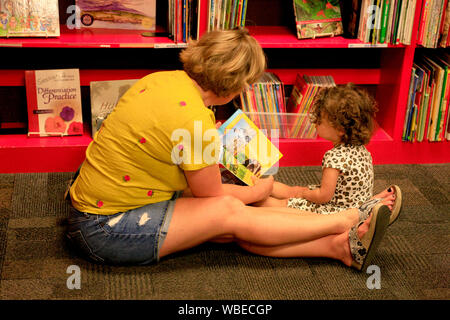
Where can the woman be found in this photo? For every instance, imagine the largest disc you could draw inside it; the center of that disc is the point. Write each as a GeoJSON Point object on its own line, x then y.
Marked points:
{"type": "Point", "coordinates": [160, 139]}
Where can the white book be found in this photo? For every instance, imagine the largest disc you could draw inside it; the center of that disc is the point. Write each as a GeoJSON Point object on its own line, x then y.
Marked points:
{"type": "Point", "coordinates": [104, 98]}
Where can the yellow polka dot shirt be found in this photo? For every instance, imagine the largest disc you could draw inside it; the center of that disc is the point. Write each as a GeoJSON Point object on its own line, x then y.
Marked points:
{"type": "Point", "coordinates": [159, 128]}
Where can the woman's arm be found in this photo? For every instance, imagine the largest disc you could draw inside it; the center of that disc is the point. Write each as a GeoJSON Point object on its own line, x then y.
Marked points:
{"type": "Point", "coordinates": [327, 187]}
{"type": "Point", "coordinates": [207, 182]}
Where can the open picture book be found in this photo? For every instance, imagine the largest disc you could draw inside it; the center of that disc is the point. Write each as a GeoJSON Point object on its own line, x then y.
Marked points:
{"type": "Point", "coordinates": [246, 151]}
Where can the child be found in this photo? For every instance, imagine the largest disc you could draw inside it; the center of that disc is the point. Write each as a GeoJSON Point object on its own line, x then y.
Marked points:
{"type": "Point", "coordinates": [343, 115]}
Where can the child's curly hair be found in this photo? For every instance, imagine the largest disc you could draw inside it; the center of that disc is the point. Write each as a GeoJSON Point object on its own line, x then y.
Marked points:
{"type": "Point", "coordinates": [349, 109]}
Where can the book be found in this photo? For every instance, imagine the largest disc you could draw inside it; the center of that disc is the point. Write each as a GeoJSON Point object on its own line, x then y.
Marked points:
{"type": "Point", "coordinates": [264, 103]}
{"type": "Point", "coordinates": [350, 12]}
{"type": "Point", "coordinates": [29, 18]}
{"type": "Point", "coordinates": [118, 14]}
{"type": "Point", "coordinates": [54, 102]}
{"type": "Point", "coordinates": [245, 150]}
{"type": "Point", "coordinates": [301, 101]}
{"type": "Point", "coordinates": [320, 18]}
{"type": "Point", "coordinates": [104, 98]}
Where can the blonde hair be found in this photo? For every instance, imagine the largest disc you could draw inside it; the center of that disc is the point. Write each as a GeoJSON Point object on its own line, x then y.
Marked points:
{"type": "Point", "coordinates": [224, 61]}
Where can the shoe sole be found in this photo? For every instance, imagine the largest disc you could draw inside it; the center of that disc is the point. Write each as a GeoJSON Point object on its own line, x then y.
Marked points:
{"type": "Point", "coordinates": [372, 238]}
{"type": "Point", "coordinates": [397, 205]}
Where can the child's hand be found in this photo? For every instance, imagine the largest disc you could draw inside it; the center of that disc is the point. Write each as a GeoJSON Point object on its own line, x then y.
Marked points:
{"type": "Point", "coordinates": [263, 186]}
{"type": "Point", "coordinates": [300, 192]}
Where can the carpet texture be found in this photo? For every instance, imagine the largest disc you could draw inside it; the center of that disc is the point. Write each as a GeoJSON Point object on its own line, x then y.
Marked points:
{"type": "Point", "coordinates": [413, 257]}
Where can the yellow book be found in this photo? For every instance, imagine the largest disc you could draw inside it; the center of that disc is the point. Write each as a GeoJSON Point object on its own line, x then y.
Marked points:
{"type": "Point", "coordinates": [245, 151]}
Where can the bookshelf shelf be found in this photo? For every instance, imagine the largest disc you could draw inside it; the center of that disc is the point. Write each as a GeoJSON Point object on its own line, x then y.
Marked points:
{"type": "Point", "coordinates": [386, 69]}
{"type": "Point", "coordinates": [86, 38]}
{"type": "Point", "coordinates": [363, 76]}
{"type": "Point", "coordinates": [16, 77]}
{"type": "Point", "coordinates": [285, 37]}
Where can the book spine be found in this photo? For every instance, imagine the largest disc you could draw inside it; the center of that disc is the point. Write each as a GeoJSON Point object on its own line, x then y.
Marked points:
{"type": "Point", "coordinates": [31, 93]}
{"type": "Point", "coordinates": [389, 20]}
{"type": "Point", "coordinates": [362, 20]}
{"type": "Point", "coordinates": [401, 22]}
{"type": "Point", "coordinates": [423, 21]}
{"type": "Point", "coordinates": [244, 13]}
{"type": "Point", "coordinates": [408, 23]}
{"type": "Point", "coordinates": [407, 123]}
{"type": "Point", "coordinates": [184, 21]}
{"type": "Point", "coordinates": [441, 104]}
{"type": "Point", "coordinates": [384, 20]}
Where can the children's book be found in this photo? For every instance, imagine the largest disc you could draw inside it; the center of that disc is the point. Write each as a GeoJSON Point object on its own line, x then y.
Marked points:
{"type": "Point", "coordinates": [54, 102]}
{"type": "Point", "coordinates": [245, 150]}
{"type": "Point", "coordinates": [104, 97]}
{"type": "Point", "coordinates": [118, 14]}
{"type": "Point", "coordinates": [321, 18]}
{"type": "Point", "coordinates": [29, 18]}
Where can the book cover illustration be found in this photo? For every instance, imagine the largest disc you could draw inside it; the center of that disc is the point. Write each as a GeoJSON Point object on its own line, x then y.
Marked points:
{"type": "Point", "coordinates": [104, 97]}
{"type": "Point", "coordinates": [245, 150]}
{"type": "Point", "coordinates": [118, 14]}
{"type": "Point", "coordinates": [29, 18]}
{"type": "Point", "coordinates": [320, 18]}
{"type": "Point", "coordinates": [54, 102]}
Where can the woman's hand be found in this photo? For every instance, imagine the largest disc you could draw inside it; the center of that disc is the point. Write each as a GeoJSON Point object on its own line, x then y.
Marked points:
{"type": "Point", "coordinates": [262, 186]}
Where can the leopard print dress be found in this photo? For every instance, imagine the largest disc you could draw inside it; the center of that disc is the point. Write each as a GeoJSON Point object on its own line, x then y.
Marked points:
{"type": "Point", "coordinates": [354, 185]}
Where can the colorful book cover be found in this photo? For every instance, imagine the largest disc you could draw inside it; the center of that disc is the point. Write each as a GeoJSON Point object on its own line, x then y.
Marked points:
{"type": "Point", "coordinates": [318, 18]}
{"type": "Point", "coordinates": [245, 150]}
{"type": "Point", "coordinates": [29, 18]}
{"type": "Point", "coordinates": [104, 97]}
{"type": "Point", "coordinates": [54, 102]}
{"type": "Point", "coordinates": [118, 14]}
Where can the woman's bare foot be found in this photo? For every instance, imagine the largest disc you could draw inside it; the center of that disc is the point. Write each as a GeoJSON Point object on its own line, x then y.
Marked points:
{"type": "Point", "coordinates": [343, 243]}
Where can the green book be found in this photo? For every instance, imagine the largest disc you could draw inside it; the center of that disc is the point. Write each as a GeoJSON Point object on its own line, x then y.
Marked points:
{"type": "Point", "coordinates": [384, 20]}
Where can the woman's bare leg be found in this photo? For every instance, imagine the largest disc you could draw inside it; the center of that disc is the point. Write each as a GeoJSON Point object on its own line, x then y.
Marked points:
{"type": "Point", "coordinates": [335, 246]}
{"type": "Point", "coordinates": [197, 220]}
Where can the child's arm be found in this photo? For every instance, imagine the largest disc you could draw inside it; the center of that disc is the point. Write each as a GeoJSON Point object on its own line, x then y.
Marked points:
{"type": "Point", "coordinates": [327, 187]}
{"type": "Point", "coordinates": [283, 191]}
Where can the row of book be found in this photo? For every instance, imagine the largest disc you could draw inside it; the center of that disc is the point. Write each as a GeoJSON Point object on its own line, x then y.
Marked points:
{"type": "Point", "coordinates": [226, 14]}
{"type": "Point", "coordinates": [182, 17]}
{"type": "Point", "coordinates": [264, 103]}
{"type": "Point", "coordinates": [434, 24]}
{"type": "Point", "coordinates": [427, 113]}
{"type": "Point", "coordinates": [385, 21]}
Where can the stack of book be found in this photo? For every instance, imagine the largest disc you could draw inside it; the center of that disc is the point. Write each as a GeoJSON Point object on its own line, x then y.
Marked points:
{"type": "Point", "coordinates": [301, 101]}
{"type": "Point", "coordinates": [183, 20]}
{"type": "Point", "coordinates": [226, 14]}
{"type": "Point", "coordinates": [434, 24]}
{"type": "Point", "coordinates": [427, 116]}
{"type": "Point", "coordinates": [264, 104]}
{"type": "Point", "coordinates": [380, 21]}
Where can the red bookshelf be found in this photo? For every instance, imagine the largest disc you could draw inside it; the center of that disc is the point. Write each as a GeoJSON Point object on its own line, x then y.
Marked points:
{"type": "Point", "coordinates": [389, 78]}
{"type": "Point", "coordinates": [87, 38]}
{"type": "Point", "coordinates": [284, 37]}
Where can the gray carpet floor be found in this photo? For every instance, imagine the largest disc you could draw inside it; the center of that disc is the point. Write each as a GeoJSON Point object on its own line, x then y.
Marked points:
{"type": "Point", "coordinates": [413, 257]}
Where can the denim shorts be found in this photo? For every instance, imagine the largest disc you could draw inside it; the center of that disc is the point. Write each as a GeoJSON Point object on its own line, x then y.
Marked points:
{"type": "Point", "coordinates": [131, 237]}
